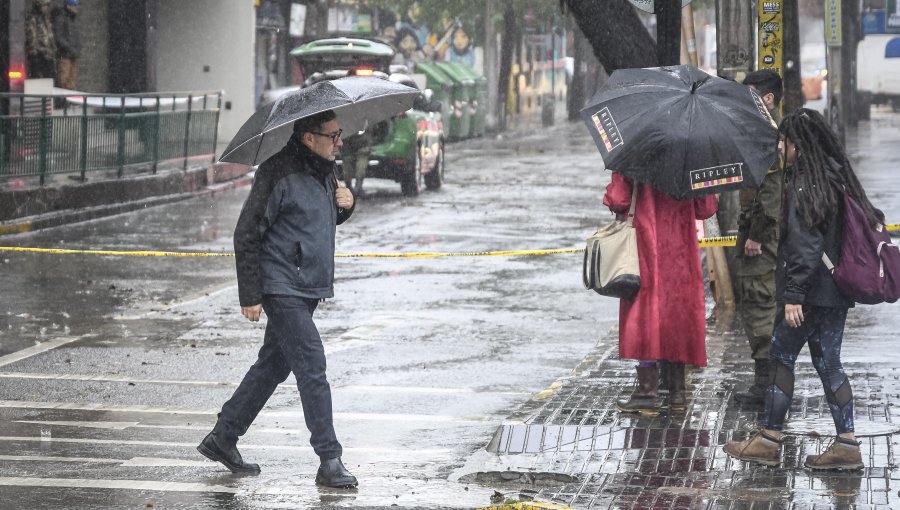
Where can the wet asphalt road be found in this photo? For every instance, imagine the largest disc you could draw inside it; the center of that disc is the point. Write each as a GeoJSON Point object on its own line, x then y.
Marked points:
{"type": "Point", "coordinates": [426, 357]}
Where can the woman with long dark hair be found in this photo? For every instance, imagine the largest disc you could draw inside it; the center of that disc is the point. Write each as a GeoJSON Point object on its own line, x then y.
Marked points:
{"type": "Point", "coordinates": [811, 310]}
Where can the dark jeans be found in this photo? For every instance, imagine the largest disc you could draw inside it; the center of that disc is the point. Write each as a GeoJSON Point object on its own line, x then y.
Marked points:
{"type": "Point", "coordinates": [292, 344]}
{"type": "Point", "coordinates": [823, 329]}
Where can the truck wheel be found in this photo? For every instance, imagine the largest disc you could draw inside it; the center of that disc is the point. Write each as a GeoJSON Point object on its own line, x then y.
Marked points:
{"type": "Point", "coordinates": [435, 178]}
{"type": "Point", "coordinates": [411, 182]}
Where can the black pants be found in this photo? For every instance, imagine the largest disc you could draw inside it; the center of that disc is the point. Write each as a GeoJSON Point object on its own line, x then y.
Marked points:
{"type": "Point", "coordinates": [292, 344]}
{"type": "Point", "coordinates": [823, 329]}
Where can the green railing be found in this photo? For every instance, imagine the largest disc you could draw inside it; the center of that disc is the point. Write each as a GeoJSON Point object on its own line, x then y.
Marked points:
{"type": "Point", "coordinates": [47, 135]}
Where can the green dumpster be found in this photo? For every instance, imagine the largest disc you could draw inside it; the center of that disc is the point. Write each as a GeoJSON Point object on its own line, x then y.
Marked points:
{"type": "Point", "coordinates": [477, 101]}
{"type": "Point", "coordinates": [441, 87]}
{"type": "Point", "coordinates": [460, 123]}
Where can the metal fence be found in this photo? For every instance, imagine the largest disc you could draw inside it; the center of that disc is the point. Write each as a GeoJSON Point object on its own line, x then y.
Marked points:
{"type": "Point", "coordinates": [46, 135]}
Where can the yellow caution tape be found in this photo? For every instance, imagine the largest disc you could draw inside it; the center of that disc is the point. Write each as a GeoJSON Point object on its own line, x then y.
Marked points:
{"type": "Point", "coordinates": [433, 255]}
{"type": "Point", "coordinates": [708, 242]}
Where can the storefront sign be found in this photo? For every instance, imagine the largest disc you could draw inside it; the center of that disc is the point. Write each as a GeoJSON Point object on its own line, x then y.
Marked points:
{"type": "Point", "coordinates": [892, 17]}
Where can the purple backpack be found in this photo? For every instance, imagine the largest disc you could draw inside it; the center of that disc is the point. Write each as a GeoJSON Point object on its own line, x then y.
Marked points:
{"type": "Point", "coordinates": [869, 270]}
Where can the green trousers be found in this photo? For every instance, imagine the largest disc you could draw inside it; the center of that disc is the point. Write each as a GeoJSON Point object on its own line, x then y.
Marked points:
{"type": "Point", "coordinates": [757, 311]}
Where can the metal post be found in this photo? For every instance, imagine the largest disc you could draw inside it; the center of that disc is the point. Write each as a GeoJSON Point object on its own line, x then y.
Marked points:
{"type": "Point", "coordinates": [120, 149]}
{"type": "Point", "coordinates": [187, 130]}
{"type": "Point", "coordinates": [84, 138]}
{"type": "Point", "coordinates": [216, 126]}
{"type": "Point", "coordinates": [42, 136]}
{"type": "Point", "coordinates": [156, 136]}
{"type": "Point", "coordinates": [834, 42]}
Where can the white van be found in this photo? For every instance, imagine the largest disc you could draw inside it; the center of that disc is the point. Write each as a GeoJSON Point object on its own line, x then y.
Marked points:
{"type": "Point", "coordinates": [878, 69]}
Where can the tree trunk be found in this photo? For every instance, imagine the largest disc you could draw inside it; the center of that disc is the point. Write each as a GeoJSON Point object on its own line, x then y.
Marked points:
{"type": "Point", "coordinates": [615, 32]}
{"type": "Point", "coordinates": [508, 42]}
{"type": "Point", "coordinates": [576, 94]}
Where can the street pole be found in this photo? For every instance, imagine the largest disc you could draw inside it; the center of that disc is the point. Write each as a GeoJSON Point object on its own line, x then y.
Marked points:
{"type": "Point", "coordinates": [793, 87]}
{"type": "Point", "coordinates": [688, 35]}
{"type": "Point", "coordinates": [850, 24]}
{"type": "Point", "coordinates": [735, 50]}
{"type": "Point", "coordinates": [668, 32]}
{"type": "Point", "coordinates": [490, 64]}
{"type": "Point", "coordinates": [834, 35]}
{"type": "Point", "coordinates": [716, 260]}
{"type": "Point", "coordinates": [734, 39]}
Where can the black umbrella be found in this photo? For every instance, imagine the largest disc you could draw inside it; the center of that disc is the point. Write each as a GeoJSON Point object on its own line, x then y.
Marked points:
{"type": "Point", "coordinates": [358, 102]}
{"type": "Point", "coordinates": [682, 131]}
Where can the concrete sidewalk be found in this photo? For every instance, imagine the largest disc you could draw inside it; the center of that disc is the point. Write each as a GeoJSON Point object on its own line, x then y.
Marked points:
{"type": "Point", "coordinates": [26, 206]}
{"type": "Point", "coordinates": [570, 445]}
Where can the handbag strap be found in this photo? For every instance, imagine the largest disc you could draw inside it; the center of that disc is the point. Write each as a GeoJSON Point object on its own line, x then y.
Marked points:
{"type": "Point", "coordinates": [630, 218]}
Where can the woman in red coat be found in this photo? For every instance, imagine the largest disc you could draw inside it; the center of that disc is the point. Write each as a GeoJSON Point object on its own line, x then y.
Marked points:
{"type": "Point", "coordinates": [667, 319]}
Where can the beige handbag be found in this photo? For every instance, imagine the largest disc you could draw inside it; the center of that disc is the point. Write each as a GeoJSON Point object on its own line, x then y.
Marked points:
{"type": "Point", "coordinates": [611, 265]}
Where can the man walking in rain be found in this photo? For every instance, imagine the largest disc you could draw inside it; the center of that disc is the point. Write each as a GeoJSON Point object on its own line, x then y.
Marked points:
{"type": "Point", "coordinates": [284, 248]}
{"type": "Point", "coordinates": [757, 245]}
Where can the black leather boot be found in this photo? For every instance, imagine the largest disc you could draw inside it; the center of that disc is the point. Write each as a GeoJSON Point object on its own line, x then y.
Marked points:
{"type": "Point", "coordinates": [220, 449]}
{"type": "Point", "coordinates": [755, 396]}
{"type": "Point", "coordinates": [332, 473]}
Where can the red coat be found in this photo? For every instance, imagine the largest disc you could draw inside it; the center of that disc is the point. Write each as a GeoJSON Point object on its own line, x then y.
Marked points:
{"type": "Point", "coordinates": [667, 318]}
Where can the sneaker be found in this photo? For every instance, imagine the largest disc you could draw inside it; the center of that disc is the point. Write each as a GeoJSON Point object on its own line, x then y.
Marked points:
{"type": "Point", "coordinates": [841, 454]}
{"type": "Point", "coordinates": [760, 448]}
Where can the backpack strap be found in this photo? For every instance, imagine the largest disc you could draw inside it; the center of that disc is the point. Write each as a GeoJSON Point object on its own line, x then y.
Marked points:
{"type": "Point", "coordinates": [825, 259]}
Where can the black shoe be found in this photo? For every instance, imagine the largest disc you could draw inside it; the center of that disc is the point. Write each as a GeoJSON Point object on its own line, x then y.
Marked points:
{"type": "Point", "coordinates": [227, 454]}
{"type": "Point", "coordinates": [755, 396]}
{"type": "Point", "coordinates": [332, 473]}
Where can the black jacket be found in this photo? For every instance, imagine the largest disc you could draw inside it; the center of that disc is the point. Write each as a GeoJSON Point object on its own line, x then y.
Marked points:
{"type": "Point", "coordinates": [284, 239]}
{"type": "Point", "coordinates": [800, 275]}
{"type": "Point", "coordinates": [65, 33]}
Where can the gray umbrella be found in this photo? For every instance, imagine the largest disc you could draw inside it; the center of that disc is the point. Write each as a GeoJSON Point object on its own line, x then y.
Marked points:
{"type": "Point", "coordinates": [358, 102]}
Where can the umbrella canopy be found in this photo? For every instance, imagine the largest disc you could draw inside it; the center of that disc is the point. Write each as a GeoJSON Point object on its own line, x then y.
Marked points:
{"type": "Point", "coordinates": [358, 102]}
{"type": "Point", "coordinates": [682, 131]}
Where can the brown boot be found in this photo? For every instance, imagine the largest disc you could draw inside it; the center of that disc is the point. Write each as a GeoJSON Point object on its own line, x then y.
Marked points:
{"type": "Point", "coordinates": [677, 398]}
{"type": "Point", "coordinates": [760, 448]}
{"type": "Point", "coordinates": [645, 397]}
{"type": "Point", "coordinates": [842, 454]}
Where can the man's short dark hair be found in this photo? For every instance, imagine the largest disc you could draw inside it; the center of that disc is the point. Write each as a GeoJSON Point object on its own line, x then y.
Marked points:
{"type": "Point", "coordinates": [766, 81]}
{"type": "Point", "coordinates": [313, 123]}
